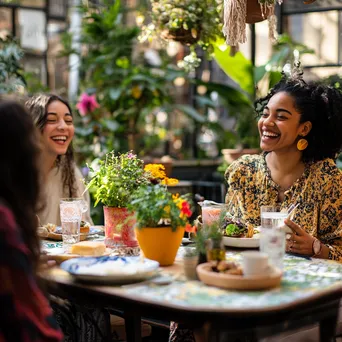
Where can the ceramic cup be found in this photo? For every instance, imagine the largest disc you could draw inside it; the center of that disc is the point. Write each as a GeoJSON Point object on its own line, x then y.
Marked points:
{"type": "Point", "coordinates": [254, 263]}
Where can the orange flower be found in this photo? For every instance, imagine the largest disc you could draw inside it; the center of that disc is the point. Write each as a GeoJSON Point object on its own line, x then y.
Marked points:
{"type": "Point", "coordinates": [190, 229]}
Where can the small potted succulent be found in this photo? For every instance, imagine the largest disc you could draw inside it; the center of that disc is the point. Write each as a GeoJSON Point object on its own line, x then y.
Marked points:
{"type": "Point", "coordinates": [160, 216]}
{"type": "Point", "coordinates": [112, 184]}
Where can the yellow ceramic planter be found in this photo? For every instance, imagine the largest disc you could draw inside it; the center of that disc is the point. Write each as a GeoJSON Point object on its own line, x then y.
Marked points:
{"type": "Point", "coordinates": [160, 244]}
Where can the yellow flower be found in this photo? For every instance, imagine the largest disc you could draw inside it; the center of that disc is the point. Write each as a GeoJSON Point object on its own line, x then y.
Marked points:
{"type": "Point", "coordinates": [169, 181]}
{"type": "Point", "coordinates": [156, 170]}
{"type": "Point", "coordinates": [136, 92]}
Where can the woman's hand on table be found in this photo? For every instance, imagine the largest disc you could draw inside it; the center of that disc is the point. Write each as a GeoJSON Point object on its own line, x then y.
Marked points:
{"type": "Point", "coordinates": [299, 241]}
{"type": "Point", "coordinates": [45, 262]}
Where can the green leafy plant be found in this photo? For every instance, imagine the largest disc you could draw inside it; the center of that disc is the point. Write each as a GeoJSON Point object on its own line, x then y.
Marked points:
{"type": "Point", "coordinates": [191, 22]}
{"type": "Point", "coordinates": [206, 232]}
{"type": "Point", "coordinates": [117, 177]}
{"type": "Point", "coordinates": [155, 206]}
{"type": "Point", "coordinates": [250, 81]}
{"type": "Point", "coordinates": [11, 72]}
{"type": "Point", "coordinates": [130, 92]}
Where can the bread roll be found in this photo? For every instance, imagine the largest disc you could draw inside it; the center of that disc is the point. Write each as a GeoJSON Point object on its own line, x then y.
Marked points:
{"type": "Point", "coordinates": [88, 248]}
{"type": "Point", "coordinates": [50, 227]}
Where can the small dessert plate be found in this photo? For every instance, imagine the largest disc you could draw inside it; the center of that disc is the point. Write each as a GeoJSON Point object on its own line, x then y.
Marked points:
{"type": "Point", "coordinates": [186, 241]}
{"type": "Point", "coordinates": [239, 282]}
{"type": "Point", "coordinates": [59, 255]}
{"type": "Point", "coordinates": [57, 235]}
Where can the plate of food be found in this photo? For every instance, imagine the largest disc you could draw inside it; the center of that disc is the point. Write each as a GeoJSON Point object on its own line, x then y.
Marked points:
{"type": "Point", "coordinates": [54, 232]}
{"type": "Point", "coordinates": [229, 275]}
{"type": "Point", "coordinates": [237, 233]}
{"type": "Point", "coordinates": [113, 269]}
{"type": "Point", "coordinates": [80, 249]}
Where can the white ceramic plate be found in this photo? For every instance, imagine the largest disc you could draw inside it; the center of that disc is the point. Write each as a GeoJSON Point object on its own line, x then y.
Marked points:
{"type": "Point", "coordinates": [57, 235]}
{"type": "Point", "coordinates": [253, 242]}
{"type": "Point", "coordinates": [113, 269]}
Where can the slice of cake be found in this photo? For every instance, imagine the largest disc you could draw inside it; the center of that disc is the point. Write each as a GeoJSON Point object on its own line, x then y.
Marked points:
{"type": "Point", "coordinates": [88, 248]}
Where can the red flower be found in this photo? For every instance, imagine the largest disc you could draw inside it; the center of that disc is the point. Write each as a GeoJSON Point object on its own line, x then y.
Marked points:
{"type": "Point", "coordinates": [185, 210]}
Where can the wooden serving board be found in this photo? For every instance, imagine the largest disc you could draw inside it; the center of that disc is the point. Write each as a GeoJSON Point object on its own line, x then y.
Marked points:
{"type": "Point", "coordinates": [238, 282]}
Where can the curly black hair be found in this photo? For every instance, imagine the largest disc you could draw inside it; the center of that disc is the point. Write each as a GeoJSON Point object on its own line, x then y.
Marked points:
{"type": "Point", "coordinates": [319, 104]}
{"type": "Point", "coordinates": [20, 177]}
{"type": "Point", "coordinates": [37, 106]}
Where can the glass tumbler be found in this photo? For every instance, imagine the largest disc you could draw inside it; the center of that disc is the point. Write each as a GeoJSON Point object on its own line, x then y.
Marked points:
{"type": "Point", "coordinates": [71, 210]}
{"type": "Point", "coordinates": [272, 236]}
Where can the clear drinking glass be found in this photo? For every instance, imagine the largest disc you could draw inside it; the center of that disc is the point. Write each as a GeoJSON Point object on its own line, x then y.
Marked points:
{"type": "Point", "coordinates": [212, 211]}
{"type": "Point", "coordinates": [71, 210]}
{"type": "Point", "coordinates": [272, 236]}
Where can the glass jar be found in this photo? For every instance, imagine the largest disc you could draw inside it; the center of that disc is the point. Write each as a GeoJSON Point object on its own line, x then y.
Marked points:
{"type": "Point", "coordinates": [215, 250]}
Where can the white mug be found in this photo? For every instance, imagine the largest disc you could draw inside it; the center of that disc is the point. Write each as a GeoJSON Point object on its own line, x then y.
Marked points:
{"type": "Point", "coordinates": [254, 263]}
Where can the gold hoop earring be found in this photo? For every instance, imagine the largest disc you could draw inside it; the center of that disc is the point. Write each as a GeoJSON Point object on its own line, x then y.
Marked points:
{"type": "Point", "coordinates": [302, 144]}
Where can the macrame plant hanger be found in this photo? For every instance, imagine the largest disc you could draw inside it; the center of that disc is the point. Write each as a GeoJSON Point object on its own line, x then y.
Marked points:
{"type": "Point", "coordinates": [239, 12]}
{"type": "Point", "coordinates": [235, 19]}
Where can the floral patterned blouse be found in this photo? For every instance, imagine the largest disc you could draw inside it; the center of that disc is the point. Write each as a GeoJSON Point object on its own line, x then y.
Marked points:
{"type": "Point", "coordinates": [318, 192]}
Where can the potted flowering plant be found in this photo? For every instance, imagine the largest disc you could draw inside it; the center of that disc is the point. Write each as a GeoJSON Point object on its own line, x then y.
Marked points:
{"type": "Point", "coordinates": [160, 216]}
{"type": "Point", "coordinates": [112, 184]}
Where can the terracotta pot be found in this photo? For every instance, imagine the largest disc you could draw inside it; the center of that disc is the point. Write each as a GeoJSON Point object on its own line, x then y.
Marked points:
{"type": "Point", "coordinates": [119, 227]}
{"type": "Point", "coordinates": [230, 155]}
{"type": "Point", "coordinates": [160, 243]}
{"type": "Point", "coordinates": [254, 14]}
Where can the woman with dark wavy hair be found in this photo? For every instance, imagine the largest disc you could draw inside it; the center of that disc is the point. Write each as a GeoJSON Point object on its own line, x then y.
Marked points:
{"type": "Point", "coordinates": [300, 128]}
{"type": "Point", "coordinates": [53, 117]}
{"type": "Point", "coordinates": [24, 311]}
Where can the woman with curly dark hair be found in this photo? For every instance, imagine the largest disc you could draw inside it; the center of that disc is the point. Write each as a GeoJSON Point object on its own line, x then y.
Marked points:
{"type": "Point", "coordinates": [25, 312]}
{"type": "Point", "coordinates": [53, 117]}
{"type": "Point", "coordinates": [300, 128]}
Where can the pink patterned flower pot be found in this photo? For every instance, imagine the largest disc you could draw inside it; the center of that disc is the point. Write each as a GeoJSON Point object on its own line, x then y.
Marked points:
{"type": "Point", "coordinates": [119, 227]}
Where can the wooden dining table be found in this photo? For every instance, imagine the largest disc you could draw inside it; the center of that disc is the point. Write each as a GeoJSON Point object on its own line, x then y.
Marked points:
{"type": "Point", "coordinates": [310, 292]}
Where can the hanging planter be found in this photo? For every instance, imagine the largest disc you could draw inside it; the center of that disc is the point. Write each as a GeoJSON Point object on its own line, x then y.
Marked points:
{"type": "Point", "coordinates": [254, 14]}
{"type": "Point", "coordinates": [195, 23]}
{"type": "Point", "coordinates": [238, 13]}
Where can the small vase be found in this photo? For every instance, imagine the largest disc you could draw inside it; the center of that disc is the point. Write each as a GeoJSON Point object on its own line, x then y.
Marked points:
{"type": "Point", "coordinates": [160, 243]}
{"type": "Point", "coordinates": [119, 227]}
{"type": "Point", "coordinates": [189, 266]}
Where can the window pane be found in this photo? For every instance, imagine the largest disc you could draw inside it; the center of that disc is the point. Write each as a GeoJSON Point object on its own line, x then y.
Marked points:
{"type": "Point", "coordinates": [31, 3]}
{"type": "Point", "coordinates": [319, 31]}
{"type": "Point", "coordinates": [291, 6]}
{"type": "Point", "coordinates": [57, 8]}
